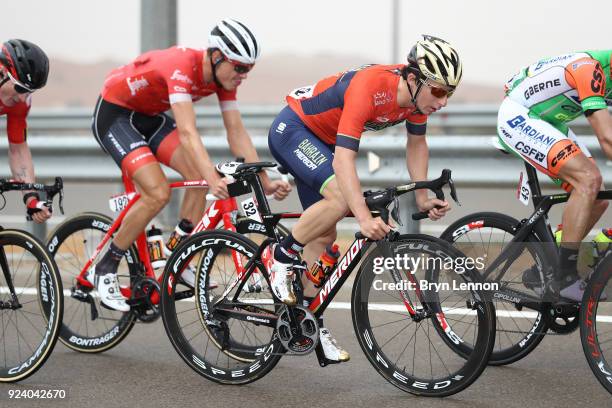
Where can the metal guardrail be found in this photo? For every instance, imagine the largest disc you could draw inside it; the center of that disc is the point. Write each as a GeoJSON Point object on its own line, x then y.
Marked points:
{"type": "Point", "coordinates": [473, 160]}
{"type": "Point", "coordinates": [454, 119]}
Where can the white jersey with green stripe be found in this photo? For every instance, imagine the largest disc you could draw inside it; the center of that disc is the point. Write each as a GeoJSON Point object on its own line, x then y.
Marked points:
{"type": "Point", "coordinates": [560, 89]}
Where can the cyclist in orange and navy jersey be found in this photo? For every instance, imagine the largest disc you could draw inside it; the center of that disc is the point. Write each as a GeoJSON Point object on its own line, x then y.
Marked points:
{"type": "Point", "coordinates": [130, 125]}
{"type": "Point", "coordinates": [24, 68]}
{"type": "Point", "coordinates": [316, 138]}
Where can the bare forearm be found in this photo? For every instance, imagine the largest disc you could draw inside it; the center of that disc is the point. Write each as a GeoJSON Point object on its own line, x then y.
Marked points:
{"type": "Point", "coordinates": [417, 162]}
{"type": "Point", "coordinates": [198, 155]}
{"type": "Point", "coordinates": [20, 162]}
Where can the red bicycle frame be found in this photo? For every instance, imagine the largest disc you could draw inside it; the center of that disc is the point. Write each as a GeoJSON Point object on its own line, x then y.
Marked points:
{"type": "Point", "coordinates": [219, 210]}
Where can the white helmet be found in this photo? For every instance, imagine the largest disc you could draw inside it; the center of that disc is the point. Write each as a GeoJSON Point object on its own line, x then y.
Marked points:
{"type": "Point", "coordinates": [436, 60]}
{"type": "Point", "coordinates": [235, 41]}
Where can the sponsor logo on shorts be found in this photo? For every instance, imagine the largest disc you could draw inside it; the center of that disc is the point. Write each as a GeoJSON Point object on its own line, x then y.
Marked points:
{"type": "Point", "coordinates": [309, 154]}
{"type": "Point", "coordinates": [505, 132]}
{"type": "Point", "coordinates": [180, 89]}
{"type": "Point", "coordinates": [563, 154]}
{"type": "Point", "coordinates": [530, 152]}
{"type": "Point", "coordinates": [281, 127]}
{"type": "Point", "coordinates": [518, 123]}
{"type": "Point", "coordinates": [137, 144]}
{"type": "Point", "coordinates": [140, 157]}
{"type": "Point", "coordinates": [116, 144]}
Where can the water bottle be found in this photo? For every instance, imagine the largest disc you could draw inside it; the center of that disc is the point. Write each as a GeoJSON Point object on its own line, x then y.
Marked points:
{"type": "Point", "coordinates": [155, 242]}
{"type": "Point", "coordinates": [324, 265]}
{"type": "Point", "coordinates": [183, 229]}
{"type": "Point", "coordinates": [590, 253]}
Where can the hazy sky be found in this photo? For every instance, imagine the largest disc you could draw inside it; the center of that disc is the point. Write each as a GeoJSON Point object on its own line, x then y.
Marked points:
{"type": "Point", "coordinates": [494, 38]}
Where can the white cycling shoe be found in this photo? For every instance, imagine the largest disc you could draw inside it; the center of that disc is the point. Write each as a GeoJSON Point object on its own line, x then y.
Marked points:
{"type": "Point", "coordinates": [281, 276]}
{"type": "Point", "coordinates": [108, 289]}
{"type": "Point", "coordinates": [330, 348]}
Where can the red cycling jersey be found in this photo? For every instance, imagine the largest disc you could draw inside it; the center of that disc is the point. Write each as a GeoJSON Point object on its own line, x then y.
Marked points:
{"type": "Point", "coordinates": [157, 79]}
{"type": "Point", "coordinates": [16, 124]}
{"type": "Point", "coordinates": [338, 109]}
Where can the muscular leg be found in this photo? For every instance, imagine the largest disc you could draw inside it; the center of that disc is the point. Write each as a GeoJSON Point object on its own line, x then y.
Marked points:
{"type": "Point", "coordinates": [155, 193]}
{"type": "Point", "coordinates": [311, 253]}
{"type": "Point", "coordinates": [320, 217]}
{"type": "Point", "coordinates": [581, 211]}
{"type": "Point", "coordinates": [317, 226]}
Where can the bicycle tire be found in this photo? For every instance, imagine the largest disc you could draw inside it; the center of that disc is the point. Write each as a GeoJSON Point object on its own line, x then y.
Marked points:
{"type": "Point", "coordinates": [49, 303]}
{"type": "Point", "coordinates": [514, 340]}
{"type": "Point", "coordinates": [457, 372]}
{"type": "Point", "coordinates": [596, 331]}
{"type": "Point", "coordinates": [212, 245]}
{"type": "Point", "coordinates": [71, 244]}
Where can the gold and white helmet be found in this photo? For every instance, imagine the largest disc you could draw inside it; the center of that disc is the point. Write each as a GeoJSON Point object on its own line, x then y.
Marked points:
{"type": "Point", "coordinates": [436, 60]}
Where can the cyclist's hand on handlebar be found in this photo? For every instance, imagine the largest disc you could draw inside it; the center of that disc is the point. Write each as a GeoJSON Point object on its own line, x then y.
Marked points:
{"type": "Point", "coordinates": [436, 208]}
{"type": "Point", "coordinates": [279, 188]}
{"type": "Point", "coordinates": [38, 210]}
{"type": "Point", "coordinates": [218, 188]}
{"type": "Point", "coordinates": [374, 228]}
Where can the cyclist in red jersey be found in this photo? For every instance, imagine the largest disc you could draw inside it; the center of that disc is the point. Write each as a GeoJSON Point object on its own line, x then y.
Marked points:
{"type": "Point", "coordinates": [24, 68]}
{"type": "Point", "coordinates": [316, 138]}
{"type": "Point", "coordinates": [130, 124]}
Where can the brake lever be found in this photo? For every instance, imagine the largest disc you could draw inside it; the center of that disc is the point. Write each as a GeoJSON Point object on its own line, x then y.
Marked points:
{"type": "Point", "coordinates": [453, 191]}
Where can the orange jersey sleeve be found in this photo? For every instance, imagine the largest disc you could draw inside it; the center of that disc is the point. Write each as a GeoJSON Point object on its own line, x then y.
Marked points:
{"type": "Point", "coordinates": [587, 77]}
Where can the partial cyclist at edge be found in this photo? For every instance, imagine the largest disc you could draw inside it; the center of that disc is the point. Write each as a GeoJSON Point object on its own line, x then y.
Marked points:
{"type": "Point", "coordinates": [316, 138]}
{"type": "Point", "coordinates": [540, 101]}
{"type": "Point", "coordinates": [129, 123]}
{"type": "Point", "coordinates": [24, 68]}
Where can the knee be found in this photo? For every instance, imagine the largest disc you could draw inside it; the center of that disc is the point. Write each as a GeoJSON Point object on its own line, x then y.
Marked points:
{"type": "Point", "coordinates": [158, 197]}
{"type": "Point", "coordinates": [335, 200]}
{"type": "Point", "coordinates": [589, 182]}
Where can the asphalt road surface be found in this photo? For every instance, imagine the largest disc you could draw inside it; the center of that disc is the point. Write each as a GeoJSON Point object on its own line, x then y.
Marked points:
{"type": "Point", "coordinates": [144, 370]}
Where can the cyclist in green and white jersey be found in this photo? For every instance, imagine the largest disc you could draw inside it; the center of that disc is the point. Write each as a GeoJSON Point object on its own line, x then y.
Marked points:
{"type": "Point", "coordinates": [532, 123]}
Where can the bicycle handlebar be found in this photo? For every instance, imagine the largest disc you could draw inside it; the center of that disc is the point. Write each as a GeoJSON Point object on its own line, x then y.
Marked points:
{"type": "Point", "coordinates": [378, 201]}
{"type": "Point", "coordinates": [50, 190]}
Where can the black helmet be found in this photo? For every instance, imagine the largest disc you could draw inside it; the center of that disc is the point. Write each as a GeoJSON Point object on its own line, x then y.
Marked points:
{"type": "Point", "coordinates": [27, 62]}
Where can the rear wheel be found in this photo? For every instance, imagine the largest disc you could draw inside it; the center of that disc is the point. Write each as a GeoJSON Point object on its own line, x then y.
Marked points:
{"type": "Point", "coordinates": [220, 345]}
{"type": "Point", "coordinates": [596, 323]}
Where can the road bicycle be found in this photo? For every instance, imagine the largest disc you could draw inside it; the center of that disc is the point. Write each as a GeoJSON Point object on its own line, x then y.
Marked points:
{"type": "Point", "coordinates": [76, 244]}
{"type": "Point", "coordinates": [234, 339]}
{"type": "Point", "coordinates": [524, 315]}
{"type": "Point", "coordinates": [31, 305]}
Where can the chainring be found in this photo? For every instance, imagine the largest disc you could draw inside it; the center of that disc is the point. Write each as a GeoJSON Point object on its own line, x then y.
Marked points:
{"type": "Point", "coordinates": [302, 338]}
{"type": "Point", "coordinates": [141, 303]}
{"type": "Point", "coordinates": [562, 318]}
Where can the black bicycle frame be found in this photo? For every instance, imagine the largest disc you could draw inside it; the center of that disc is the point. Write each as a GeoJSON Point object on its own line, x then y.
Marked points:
{"type": "Point", "coordinates": [537, 224]}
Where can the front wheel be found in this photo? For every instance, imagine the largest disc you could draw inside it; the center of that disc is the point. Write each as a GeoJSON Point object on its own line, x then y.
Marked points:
{"type": "Point", "coordinates": [483, 236]}
{"type": "Point", "coordinates": [89, 327]}
{"type": "Point", "coordinates": [596, 324]}
{"type": "Point", "coordinates": [397, 316]}
{"type": "Point", "coordinates": [31, 305]}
